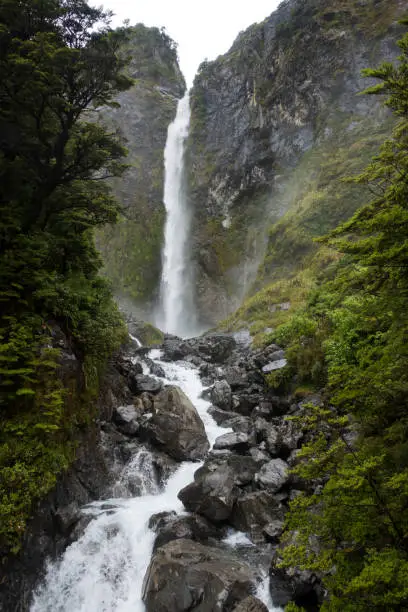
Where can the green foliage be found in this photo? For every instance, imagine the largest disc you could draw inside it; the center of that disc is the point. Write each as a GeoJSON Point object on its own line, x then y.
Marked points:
{"type": "Point", "coordinates": [58, 62]}
{"type": "Point", "coordinates": [353, 529]}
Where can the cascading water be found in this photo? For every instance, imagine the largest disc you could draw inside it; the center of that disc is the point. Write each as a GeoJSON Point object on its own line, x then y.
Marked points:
{"type": "Point", "coordinates": [176, 314]}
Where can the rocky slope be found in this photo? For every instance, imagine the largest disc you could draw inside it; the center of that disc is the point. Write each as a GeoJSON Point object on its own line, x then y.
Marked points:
{"type": "Point", "coordinates": [275, 122]}
{"type": "Point", "coordinates": [131, 250]}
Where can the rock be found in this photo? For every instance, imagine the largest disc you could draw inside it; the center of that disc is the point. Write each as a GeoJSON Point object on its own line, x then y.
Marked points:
{"type": "Point", "coordinates": [193, 527]}
{"type": "Point", "coordinates": [251, 604]}
{"type": "Point", "coordinates": [140, 383]}
{"type": "Point", "coordinates": [232, 441]}
{"type": "Point", "coordinates": [127, 367]}
{"type": "Point", "coordinates": [291, 584]}
{"type": "Point", "coordinates": [290, 436]}
{"type": "Point", "coordinates": [217, 347]}
{"type": "Point", "coordinates": [253, 511]}
{"type": "Point", "coordinates": [274, 365]}
{"type": "Point", "coordinates": [67, 517]}
{"type": "Point", "coordinates": [221, 417]}
{"type": "Point", "coordinates": [175, 426]}
{"type": "Point", "coordinates": [126, 419]}
{"type": "Point", "coordinates": [273, 475]}
{"type": "Point", "coordinates": [184, 576]}
{"type": "Point", "coordinates": [174, 348]}
{"type": "Point", "coordinates": [273, 530]}
{"type": "Point", "coordinates": [160, 519]}
{"type": "Point", "coordinates": [259, 456]}
{"type": "Point", "coordinates": [155, 368]}
{"type": "Point", "coordinates": [236, 377]}
{"type": "Point", "coordinates": [221, 394]}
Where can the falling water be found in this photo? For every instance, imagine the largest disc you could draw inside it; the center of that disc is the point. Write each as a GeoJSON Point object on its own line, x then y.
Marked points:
{"type": "Point", "coordinates": [176, 312]}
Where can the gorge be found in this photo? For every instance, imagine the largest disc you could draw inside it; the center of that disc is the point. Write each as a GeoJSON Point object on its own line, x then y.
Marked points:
{"type": "Point", "coordinates": [203, 365]}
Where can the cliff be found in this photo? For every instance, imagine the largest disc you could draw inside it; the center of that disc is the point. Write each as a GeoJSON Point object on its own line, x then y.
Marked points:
{"type": "Point", "coordinates": [275, 122]}
{"type": "Point", "coordinates": [131, 250]}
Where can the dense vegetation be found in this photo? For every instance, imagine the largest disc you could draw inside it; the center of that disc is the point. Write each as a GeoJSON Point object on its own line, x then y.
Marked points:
{"type": "Point", "coordinates": [352, 339]}
{"type": "Point", "coordinates": [59, 61]}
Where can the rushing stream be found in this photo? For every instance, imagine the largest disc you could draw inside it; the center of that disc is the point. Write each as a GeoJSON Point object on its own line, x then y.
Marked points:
{"type": "Point", "coordinates": [176, 313]}
{"type": "Point", "coordinates": [103, 571]}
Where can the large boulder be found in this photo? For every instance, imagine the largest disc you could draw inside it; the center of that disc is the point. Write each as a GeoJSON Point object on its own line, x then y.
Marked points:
{"type": "Point", "coordinates": [273, 475]}
{"type": "Point", "coordinates": [221, 394]}
{"type": "Point", "coordinates": [215, 348]}
{"type": "Point", "coordinates": [127, 419]}
{"type": "Point", "coordinates": [193, 527]}
{"type": "Point", "coordinates": [140, 383]}
{"type": "Point", "coordinates": [185, 576]}
{"type": "Point", "coordinates": [293, 584]}
{"type": "Point", "coordinates": [216, 486]}
{"type": "Point", "coordinates": [237, 441]}
{"type": "Point", "coordinates": [175, 426]}
{"type": "Point", "coordinates": [253, 511]}
{"type": "Point", "coordinates": [251, 604]}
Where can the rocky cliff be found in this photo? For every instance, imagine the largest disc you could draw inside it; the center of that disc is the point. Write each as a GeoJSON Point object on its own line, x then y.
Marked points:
{"type": "Point", "coordinates": [275, 122]}
{"type": "Point", "coordinates": [131, 250]}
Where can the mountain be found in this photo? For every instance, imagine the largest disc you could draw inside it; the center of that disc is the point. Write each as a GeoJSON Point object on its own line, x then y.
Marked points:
{"type": "Point", "coordinates": [276, 122]}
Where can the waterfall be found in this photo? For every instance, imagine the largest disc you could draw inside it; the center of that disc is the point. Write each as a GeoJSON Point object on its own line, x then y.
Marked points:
{"type": "Point", "coordinates": [177, 305]}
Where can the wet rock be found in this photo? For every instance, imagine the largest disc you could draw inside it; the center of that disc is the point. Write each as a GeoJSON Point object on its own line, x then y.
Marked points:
{"type": "Point", "coordinates": [273, 475]}
{"type": "Point", "coordinates": [192, 527]}
{"type": "Point", "coordinates": [67, 517]}
{"type": "Point", "coordinates": [127, 367]}
{"type": "Point", "coordinates": [216, 347]}
{"type": "Point", "coordinates": [251, 604]}
{"type": "Point", "coordinates": [236, 377]}
{"type": "Point", "coordinates": [253, 511]}
{"type": "Point", "coordinates": [160, 519]}
{"type": "Point", "coordinates": [221, 394]}
{"type": "Point", "coordinates": [221, 417]}
{"type": "Point", "coordinates": [175, 426]}
{"type": "Point", "coordinates": [184, 575]}
{"type": "Point", "coordinates": [174, 348]}
{"type": "Point", "coordinates": [232, 441]}
{"type": "Point", "coordinates": [127, 419]}
{"type": "Point", "coordinates": [155, 368]}
{"type": "Point", "coordinates": [140, 383]}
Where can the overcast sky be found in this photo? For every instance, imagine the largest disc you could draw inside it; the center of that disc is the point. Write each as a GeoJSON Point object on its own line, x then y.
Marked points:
{"type": "Point", "coordinates": [202, 28]}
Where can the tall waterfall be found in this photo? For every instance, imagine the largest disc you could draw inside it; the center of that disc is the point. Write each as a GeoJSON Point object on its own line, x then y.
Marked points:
{"type": "Point", "coordinates": [177, 305]}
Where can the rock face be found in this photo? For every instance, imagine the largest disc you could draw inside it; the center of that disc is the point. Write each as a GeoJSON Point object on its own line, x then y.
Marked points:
{"type": "Point", "coordinates": [176, 427]}
{"type": "Point", "coordinates": [185, 576]}
{"type": "Point", "coordinates": [132, 249]}
{"type": "Point", "coordinates": [287, 87]}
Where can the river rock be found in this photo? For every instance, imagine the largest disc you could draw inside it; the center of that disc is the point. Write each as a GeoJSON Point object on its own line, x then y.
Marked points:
{"type": "Point", "coordinates": [184, 576]}
{"type": "Point", "coordinates": [292, 584]}
{"type": "Point", "coordinates": [236, 377]}
{"type": "Point", "coordinates": [192, 527]}
{"type": "Point", "coordinates": [140, 383]}
{"type": "Point", "coordinates": [251, 604]}
{"type": "Point", "coordinates": [274, 365]}
{"type": "Point", "coordinates": [232, 441]}
{"type": "Point", "coordinates": [127, 419]}
{"type": "Point", "coordinates": [221, 417]}
{"type": "Point", "coordinates": [175, 426]}
{"type": "Point", "coordinates": [221, 394]}
{"type": "Point", "coordinates": [252, 511]}
{"type": "Point", "coordinates": [216, 347]}
{"type": "Point", "coordinates": [273, 475]}
{"type": "Point", "coordinates": [273, 530]}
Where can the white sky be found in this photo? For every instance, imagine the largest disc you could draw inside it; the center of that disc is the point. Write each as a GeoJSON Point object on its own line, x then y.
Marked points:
{"type": "Point", "coordinates": [203, 29]}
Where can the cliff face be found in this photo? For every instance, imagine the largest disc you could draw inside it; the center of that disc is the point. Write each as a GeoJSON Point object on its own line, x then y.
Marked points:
{"type": "Point", "coordinates": [274, 123]}
{"type": "Point", "coordinates": [131, 250]}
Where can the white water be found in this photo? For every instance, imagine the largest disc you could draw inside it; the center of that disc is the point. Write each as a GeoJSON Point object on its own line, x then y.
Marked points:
{"type": "Point", "coordinates": [176, 314]}
{"type": "Point", "coordinates": [103, 571]}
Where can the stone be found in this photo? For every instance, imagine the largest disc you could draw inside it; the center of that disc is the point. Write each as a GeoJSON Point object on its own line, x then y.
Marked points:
{"type": "Point", "coordinates": [140, 383]}
{"type": "Point", "coordinates": [175, 426]}
{"type": "Point", "coordinates": [252, 511]}
{"type": "Point", "coordinates": [127, 419]}
{"type": "Point", "coordinates": [292, 584]}
{"type": "Point", "coordinates": [251, 604]}
{"type": "Point", "coordinates": [273, 475]}
{"type": "Point", "coordinates": [273, 530]}
{"type": "Point", "coordinates": [236, 377]}
{"type": "Point", "coordinates": [221, 394]}
{"type": "Point", "coordinates": [194, 527]}
{"type": "Point", "coordinates": [184, 575]}
{"type": "Point", "coordinates": [217, 347]}
{"type": "Point", "coordinates": [232, 441]}
{"type": "Point", "coordinates": [274, 365]}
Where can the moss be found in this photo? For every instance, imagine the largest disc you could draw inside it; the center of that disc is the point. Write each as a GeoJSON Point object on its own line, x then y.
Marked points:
{"type": "Point", "coordinates": [149, 335]}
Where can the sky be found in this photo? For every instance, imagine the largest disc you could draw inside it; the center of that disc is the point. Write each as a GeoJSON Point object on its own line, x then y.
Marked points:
{"type": "Point", "coordinates": [202, 29]}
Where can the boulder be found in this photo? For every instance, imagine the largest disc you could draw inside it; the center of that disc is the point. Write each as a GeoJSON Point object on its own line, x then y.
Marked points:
{"type": "Point", "coordinates": [175, 348]}
{"type": "Point", "coordinates": [236, 377]}
{"type": "Point", "coordinates": [221, 394]}
{"type": "Point", "coordinates": [216, 347]}
{"type": "Point", "coordinates": [221, 417]}
{"type": "Point", "coordinates": [253, 511]}
{"type": "Point", "coordinates": [184, 576]}
{"type": "Point", "coordinates": [292, 584]}
{"type": "Point", "coordinates": [232, 441]}
{"type": "Point", "coordinates": [251, 604]}
{"type": "Point", "coordinates": [127, 419]}
{"type": "Point", "coordinates": [273, 475]}
{"type": "Point", "coordinates": [175, 426]}
{"type": "Point", "coordinates": [192, 527]}
{"type": "Point", "coordinates": [274, 365]}
{"type": "Point", "coordinates": [273, 530]}
{"type": "Point", "coordinates": [140, 383]}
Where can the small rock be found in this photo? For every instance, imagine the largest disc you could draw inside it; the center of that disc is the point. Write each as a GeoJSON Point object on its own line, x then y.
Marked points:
{"type": "Point", "coordinates": [126, 419]}
{"type": "Point", "coordinates": [221, 394]}
{"type": "Point", "coordinates": [232, 441]}
{"type": "Point", "coordinates": [274, 365]}
{"type": "Point", "coordinates": [273, 475]}
{"type": "Point", "coordinates": [273, 530]}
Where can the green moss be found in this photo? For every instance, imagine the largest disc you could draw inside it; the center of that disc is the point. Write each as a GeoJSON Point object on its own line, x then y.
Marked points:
{"type": "Point", "coordinates": [149, 335]}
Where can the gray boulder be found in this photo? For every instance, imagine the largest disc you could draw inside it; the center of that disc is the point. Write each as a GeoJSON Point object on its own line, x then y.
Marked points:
{"type": "Point", "coordinates": [232, 441]}
{"type": "Point", "coordinates": [140, 383]}
{"type": "Point", "coordinates": [253, 511]}
{"type": "Point", "coordinates": [185, 576]}
{"type": "Point", "coordinates": [192, 527]}
{"type": "Point", "coordinates": [126, 419]}
{"type": "Point", "coordinates": [175, 426]}
{"type": "Point", "coordinates": [221, 394]}
{"type": "Point", "coordinates": [273, 475]}
{"type": "Point", "coordinates": [273, 530]}
{"type": "Point", "coordinates": [251, 604]}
